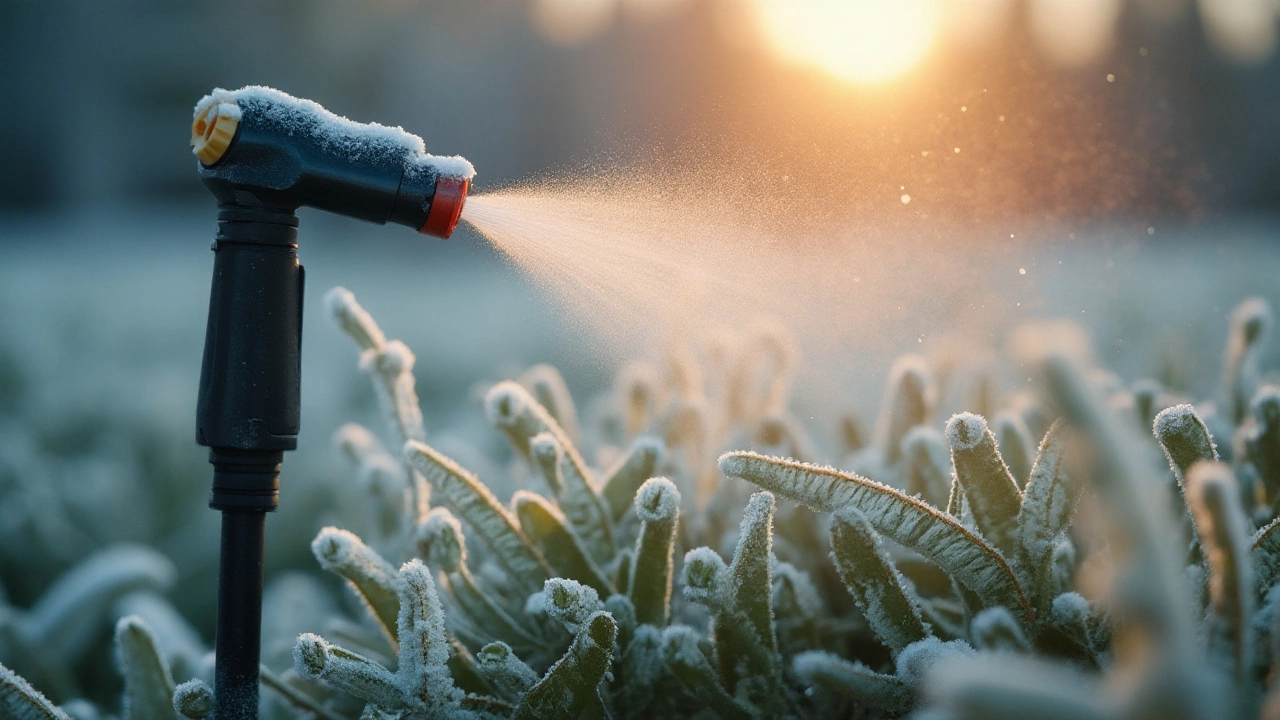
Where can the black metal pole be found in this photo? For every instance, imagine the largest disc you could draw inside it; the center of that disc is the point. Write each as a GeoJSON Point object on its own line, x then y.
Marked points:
{"type": "Point", "coordinates": [247, 414]}
{"type": "Point", "coordinates": [239, 615]}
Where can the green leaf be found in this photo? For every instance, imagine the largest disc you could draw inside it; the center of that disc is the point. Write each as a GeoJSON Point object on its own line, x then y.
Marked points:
{"type": "Point", "coordinates": [20, 701]}
{"type": "Point", "coordinates": [490, 521]}
{"type": "Point", "coordinates": [372, 578]}
{"type": "Point", "coordinates": [547, 529]}
{"type": "Point", "coordinates": [547, 386]}
{"type": "Point", "coordinates": [862, 685]}
{"type": "Point", "coordinates": [908, 401]}
{"type": "Point", "coordinates": [148, 683]}
{"type": "Point", "coordinates": [658, 507]}
{"type": "Point", "coordinates": [992, 493]}
{"type": "Point", "coordinates": [619, 484]}
{"type": "Point", "coordinates": [687, 664]}
{"type": "Point", "coordinates": [905, 520]}
{"type": "Point", "coordinates": [1048, 505]}
{"type": "Point", "coordinates": [878, 589]}
{"type": "Point", "coordinates": [570, 685]}
{"type": "Point", "coordinates": [750, 578]}
{"type": "Point", "coordinates": [1213, 497]}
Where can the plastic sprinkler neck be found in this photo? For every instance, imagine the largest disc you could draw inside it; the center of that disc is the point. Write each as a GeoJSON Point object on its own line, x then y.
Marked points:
{"type": "Point", "coordinates": [264, 154]}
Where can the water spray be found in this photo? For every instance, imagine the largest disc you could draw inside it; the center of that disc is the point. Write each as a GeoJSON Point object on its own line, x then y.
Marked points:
{"type": "Point", "coordinates": [264, 154]}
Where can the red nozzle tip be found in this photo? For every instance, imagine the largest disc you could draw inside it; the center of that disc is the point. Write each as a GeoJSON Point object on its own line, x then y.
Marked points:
{"type": "Point", "coordinates": [446, 206]}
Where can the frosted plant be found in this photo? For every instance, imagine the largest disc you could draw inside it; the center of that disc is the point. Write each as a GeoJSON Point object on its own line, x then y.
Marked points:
{"type": "Point", "coordinates": [1033, 565]}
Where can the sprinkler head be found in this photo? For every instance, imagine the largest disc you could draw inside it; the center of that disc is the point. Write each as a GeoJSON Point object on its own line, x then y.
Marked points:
{"type": "Point", "coordinates": [262, 148]}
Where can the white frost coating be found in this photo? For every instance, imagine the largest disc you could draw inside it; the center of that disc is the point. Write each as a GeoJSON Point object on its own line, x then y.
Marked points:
{"type": "Point", "coordinates": [808, 603]}
{"type": "Point", "coordinates": [20, 701]}
{"type": "Point", "coordinates": [706, 578]}
{"type": "Point", "coordinates": [1070, 609]}
{"type": "Point", "coordinates": [966, 430]}
{"type": "Point", "coordinates": [918, 658]}
{"type": "Point", "coordinates": [995, 628]}
{"type": "Point", "coordinates": [1015, 686]}
{"type": "Point", "coordinates": [423, 672]}
{"type": "Point", "coordinates": [315, 659]}
{"type": "Point", "coordinates": [193, 699]}
{"type": "Point", "coordinates": [343, 135]}
{"type": "Point", "coordinates": [477, 506]}
{"type": "Point", "coordinates": [826, 670]}
{"type": "Point", "coordinates": [441, 535]}
{"type": "Point", "coordinates": [1048, 504]}
{"type": "Point", "coordinates": [545, 447]}
{"type": "Point", "coordinates": [658, 500]}
{"type": "Point", "coordinates": [353, 319]}
{"type": "Point", "coordinates": [337, 550]}
{"type": "Point", "coordinates": [502, 667]}
{"type": "Point", "coordinates": [905, 520]}
{"type": "Point", "coordinates": [65, 619]}
{"type": "Point", "coordinates": [536, 604]}
{"type": "Point", "coordinates": [357, 444]}
{"type": "Point", "coordinates": [570, 602]}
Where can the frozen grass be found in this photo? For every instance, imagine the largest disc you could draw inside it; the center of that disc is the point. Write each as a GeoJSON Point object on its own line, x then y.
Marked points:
{"type": "Point", "coordinates": [955, 579]}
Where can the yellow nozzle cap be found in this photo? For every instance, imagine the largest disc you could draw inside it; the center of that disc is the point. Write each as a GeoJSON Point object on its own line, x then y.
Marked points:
{"type": "Point", "coordinates": [212, 130]}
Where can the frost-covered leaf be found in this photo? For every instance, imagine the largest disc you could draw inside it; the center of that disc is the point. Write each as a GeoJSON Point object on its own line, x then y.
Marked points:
{"type": "Point", "coordinates": [750, 574]}
{"type": "Point", "coordinates": [1212, 496]}
{"type": "Point", "coordinates": [1003, 687]}
{"type": "Point", "coordinates": [1184, 437]}
{"type": "Point", "coordinates": [178, 640]}
{"type": "Point", "coordinates": [1048, 505]}
{"type": "Point", "coordinates": [148, 683]}
{"type": "Point", "coordinates": [928, 465]}
{"type": "Point", "coordinates": [993, 495]}
{"type": "Point", "coordinates": [570, 602]}
{"type": "Point", "coordinates": [658, 507]}
{"type": "Point", "coordinates": [371, 577]}
{"type": "Point", "coordinates": [908, 401]}
{"type": "Point", "coordinates": [618, 485]}
{"type": "Point", "coordinates": [1265, 554]}
{"type": "Point", "coordinates": [1261, 439]}
{"type": "Point", "coordinates": [20, 701]}
{"type": "Point", "coordinates": [547, 386]}
{"type": "Point", "coordinates": [353, 319]}
{"type": "Point", "coordinates": [581, 504]}
{"type": "Point", "coordinates": [687, 664]}
{"type": "Point", "coordinates": [905, 520]}
{"type": "Point", "coordinates": [314, 658]}
{"type": "Point", "coordinates": [996, 629]}
{"type": "Point", "coordinates": [423, 672]}
{"type": "Point", "coordinates": [441, 541]}
{"type": "Point", "coordinates": [491, 522]}
{"type": "Point", "coordinates": [1251, 322]}
{"type": "Point", "coordinates": [797, 608]}
{"type": "Point", "coordinates": [548, 530]}
{"type": "Point", "coordinates": [193, 700]}
{"type": "Point", "coordinates": [639, 670]}
{"type": "Point", "coordinates": [864, 686]}
{"type": "Point", "coordinates": [570, 685]}
{"type": "Point", "coordinates": [1015, 443]}
{"type": "Point", "coordinates": [878, 589]}
{"type": "Point", "coordinates": [506, 672]}
{"type": "Point", "coordinates": [292, 696]}
{"type": "Point", "coordinates": [919, 658]}
{"type": "Point", "coordinates": [65, 620]}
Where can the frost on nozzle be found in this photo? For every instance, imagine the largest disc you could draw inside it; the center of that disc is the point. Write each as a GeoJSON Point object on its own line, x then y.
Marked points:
{"type": "Point", "coordinates": [355, 140]}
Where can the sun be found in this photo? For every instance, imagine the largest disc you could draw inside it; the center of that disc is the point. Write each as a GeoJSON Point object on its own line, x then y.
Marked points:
{"type": "Point", "coordinates": [864, 41]}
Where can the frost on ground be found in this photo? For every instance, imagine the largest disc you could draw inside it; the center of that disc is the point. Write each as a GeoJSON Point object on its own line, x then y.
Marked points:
{"type": "Point", "coordinates": [690, 544]}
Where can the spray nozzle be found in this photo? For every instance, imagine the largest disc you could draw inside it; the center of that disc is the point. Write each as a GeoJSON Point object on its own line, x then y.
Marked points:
{"type": "Point", "coordinates": [260, 147]}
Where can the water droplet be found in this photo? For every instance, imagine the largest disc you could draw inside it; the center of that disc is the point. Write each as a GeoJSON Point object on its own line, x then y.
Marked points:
{"type": "Point", "coordinates": [1001, 118]}
{"type": "Point", "coordinates": [1111, 78]}
{"type": "Point", "coordinates": [924, 153]}
{"type": "Point", "coordinates": [957, 151]}
{"type": "Point", "coordinates": [964, 108]}
{"type": "Point", "coordinates": [1022, 271]}
{"type": "Point", "coordinates": [906, 199]}
{"type": "Point", "coordinates": [1151, 231]}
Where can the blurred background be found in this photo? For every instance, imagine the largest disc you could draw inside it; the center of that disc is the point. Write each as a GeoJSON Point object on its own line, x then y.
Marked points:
{"type": "Point", "coordinates": [1113, 161]}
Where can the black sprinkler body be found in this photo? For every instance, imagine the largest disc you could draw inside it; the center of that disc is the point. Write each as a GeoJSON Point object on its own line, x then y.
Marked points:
{"type": "Point", "coordinates": [264, 154]}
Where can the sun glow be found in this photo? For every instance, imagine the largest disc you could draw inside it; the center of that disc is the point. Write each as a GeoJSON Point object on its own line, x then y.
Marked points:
{"type": "Point", "coordinates": [865, 41]}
